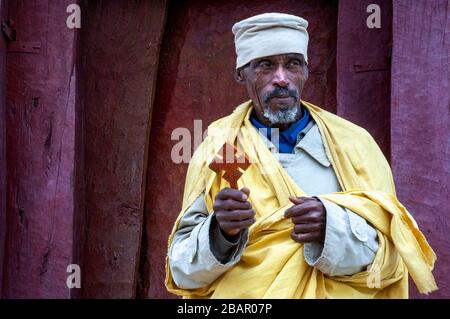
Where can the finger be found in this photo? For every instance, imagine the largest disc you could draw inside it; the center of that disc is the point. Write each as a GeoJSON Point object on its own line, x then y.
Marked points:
{"type": "Point", "coordinates": [308, 228]}
{"type": "Point", "coordinates": [231, 204]}
{"type": "Point", "coordinates": [295, 200]}
{"type": "Point", "coordinates": [228, 230]}
{"type": "Point", "coordinates": [307, 238]}
{"type": "Point", "coordinates": [300, 199]}
{"type": "Point", "coordinates": [237, 215]}
{"type": "Point", "coordinates": [230, 193]}
{"type": "Point", "coordinates": [232, 225]}
{"type": "Point", "coordinates": [246, 190]}
{"type": "Point", "coordinates": [310, 217]}
{"type": "Point", "coordinates": [299, 209]}
{"type": "Point", "coordinates": [233, 232]}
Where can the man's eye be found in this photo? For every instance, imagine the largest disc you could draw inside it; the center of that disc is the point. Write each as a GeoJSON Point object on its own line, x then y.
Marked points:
{"type": "Point", "coordinates": [264, 64]}
{"type": "Point", "coordinates": [295, 63]}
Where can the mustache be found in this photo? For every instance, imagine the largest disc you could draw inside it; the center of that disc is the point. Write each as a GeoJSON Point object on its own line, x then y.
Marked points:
{"type": "Point", "coordinates": [279, 91]}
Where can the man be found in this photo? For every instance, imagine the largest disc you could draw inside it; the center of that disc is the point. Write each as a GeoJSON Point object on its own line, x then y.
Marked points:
{"type": "Point", "coordinates": [316, 214]}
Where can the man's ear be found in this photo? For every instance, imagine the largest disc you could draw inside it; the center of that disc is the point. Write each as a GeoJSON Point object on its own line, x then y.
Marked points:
{"type": "Point", "coordinates": [239, 76]}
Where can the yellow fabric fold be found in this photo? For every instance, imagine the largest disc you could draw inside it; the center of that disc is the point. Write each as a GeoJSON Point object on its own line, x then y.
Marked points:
{"type": "Point", "coordinates": [273, 265]}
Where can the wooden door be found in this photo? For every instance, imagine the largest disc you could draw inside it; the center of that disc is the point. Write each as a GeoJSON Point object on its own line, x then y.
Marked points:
{"type": "Point", "coordinates": [195, 81]}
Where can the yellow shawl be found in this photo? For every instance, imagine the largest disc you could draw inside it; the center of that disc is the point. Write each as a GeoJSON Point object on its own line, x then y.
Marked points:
{"type": "Point", "coordinates": [272, 265]}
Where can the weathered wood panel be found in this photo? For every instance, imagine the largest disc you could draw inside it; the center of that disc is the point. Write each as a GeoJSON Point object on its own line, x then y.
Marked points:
{"type": "Point", "coordinates": [421, 122]}
{"type": "Point", "coordinates": [40, 151]}
{"type": "Point", "coordinates": [363, 68]}
{"type": "Point", "coordinates": [3, 17]}
{"type": "Point", "coordinates": [195, 81]}
{"type": "Point", "coordinates": [120, 49]}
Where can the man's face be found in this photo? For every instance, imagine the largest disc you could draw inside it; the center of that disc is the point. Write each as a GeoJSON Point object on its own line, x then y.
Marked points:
{"type": "Point", "coordinates": [275, 84]}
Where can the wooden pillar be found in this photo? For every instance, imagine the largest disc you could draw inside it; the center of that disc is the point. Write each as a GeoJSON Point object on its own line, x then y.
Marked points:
{"type": "Point", "coordinates": [119, 60]}
{"type": "Point", "coordinates": [40, 117]}
{"type": "Point", "coordinates": [421, 122]}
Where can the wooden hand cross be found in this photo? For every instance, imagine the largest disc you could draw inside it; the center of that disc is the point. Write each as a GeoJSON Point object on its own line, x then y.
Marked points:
{"type": "Point", "coordinates": [233, 166]}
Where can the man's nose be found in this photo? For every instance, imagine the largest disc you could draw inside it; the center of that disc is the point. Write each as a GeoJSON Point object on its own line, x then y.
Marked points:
{"type": "Point", "coordinates": [280, 77]}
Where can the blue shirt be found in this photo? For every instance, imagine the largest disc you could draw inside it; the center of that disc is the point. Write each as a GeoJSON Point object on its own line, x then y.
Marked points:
{"type": "Point", "coordinates": [288, 137]}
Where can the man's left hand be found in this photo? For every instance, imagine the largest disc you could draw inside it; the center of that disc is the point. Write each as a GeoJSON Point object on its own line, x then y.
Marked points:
{"type": "Point", "coordinates": [309, 217]}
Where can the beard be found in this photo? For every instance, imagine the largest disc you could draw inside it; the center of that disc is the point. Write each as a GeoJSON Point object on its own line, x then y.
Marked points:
{"type": "Point", "coordinates": [282, 116]}
{"type": "Point", "coordinates": [286, 114]}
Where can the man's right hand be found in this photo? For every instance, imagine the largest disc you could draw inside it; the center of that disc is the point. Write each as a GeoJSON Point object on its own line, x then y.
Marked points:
{"type": "Point", "coordinates": [233, 211]}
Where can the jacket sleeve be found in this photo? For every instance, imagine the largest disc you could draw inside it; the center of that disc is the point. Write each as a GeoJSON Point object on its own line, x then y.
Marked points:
{"type": "Point", "coordinates": [350, 243]}
{"type": "Point", "coordinates": [199, 252]}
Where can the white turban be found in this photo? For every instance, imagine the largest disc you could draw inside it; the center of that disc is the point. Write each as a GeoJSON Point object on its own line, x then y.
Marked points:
{"type": "Point", "coordinates": [270, 34]}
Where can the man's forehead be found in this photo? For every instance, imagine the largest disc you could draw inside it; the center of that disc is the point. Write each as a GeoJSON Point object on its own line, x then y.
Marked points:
{"type": "Point", "coordinates": [280, 56]}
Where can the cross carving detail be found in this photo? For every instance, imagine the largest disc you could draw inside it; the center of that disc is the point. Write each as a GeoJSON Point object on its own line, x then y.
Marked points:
{"type": "Point", "coordinates": [230, 163]}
